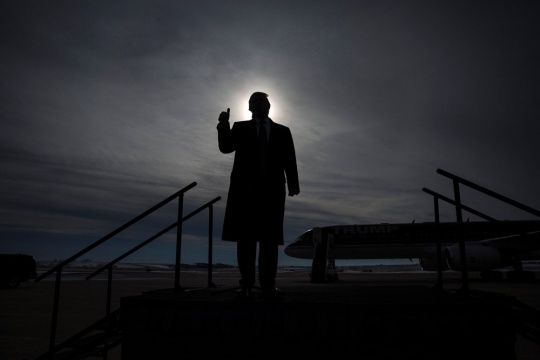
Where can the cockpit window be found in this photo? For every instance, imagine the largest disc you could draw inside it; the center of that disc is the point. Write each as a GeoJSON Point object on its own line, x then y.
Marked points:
{"type": "Point", "coordinates": [306, 238]}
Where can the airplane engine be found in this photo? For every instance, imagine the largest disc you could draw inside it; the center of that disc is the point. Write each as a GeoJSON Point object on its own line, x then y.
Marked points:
{"type": "Point", "coordinates": [478, 257]}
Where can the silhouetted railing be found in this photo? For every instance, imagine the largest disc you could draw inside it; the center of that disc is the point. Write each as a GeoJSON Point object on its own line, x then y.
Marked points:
{"type": "Point", "coordinates": [177, 286]}
{"type": "Point", "coordinates": [456, 180]}
{"type": "Point", "coordinates": [136, 219]}
{"type": "Point", "coordinates": [178, 224]}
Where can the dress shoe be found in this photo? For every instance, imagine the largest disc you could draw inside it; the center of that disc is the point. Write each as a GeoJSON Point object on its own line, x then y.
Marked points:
{"type": "Point", "coordinates": [245, 293]}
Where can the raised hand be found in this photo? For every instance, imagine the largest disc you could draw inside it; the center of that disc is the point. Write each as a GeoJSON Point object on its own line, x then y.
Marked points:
{"type": "Point", "coordinates": [224, 116]}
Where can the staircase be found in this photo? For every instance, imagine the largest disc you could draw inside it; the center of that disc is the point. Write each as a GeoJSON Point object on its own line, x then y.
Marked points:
{"type": "Point", "coordinates": [94, 341]}
{"type": "Point", "coordinates": [103, 335]}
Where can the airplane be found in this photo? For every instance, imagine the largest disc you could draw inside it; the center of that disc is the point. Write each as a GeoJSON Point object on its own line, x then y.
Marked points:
{"type": "Point", "coordinates": [489, 245]}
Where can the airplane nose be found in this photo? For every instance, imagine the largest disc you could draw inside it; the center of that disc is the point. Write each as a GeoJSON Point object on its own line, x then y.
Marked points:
{"type": "Point", "coordinates": [287, 250]}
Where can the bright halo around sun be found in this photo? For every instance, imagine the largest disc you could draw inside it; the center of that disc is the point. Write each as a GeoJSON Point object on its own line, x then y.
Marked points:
{"type": "Point", "coordinates": [241, 106]}
{"type": "Point", "coordinates": [246, 114]}
{"type": "Point", "coordinates": [244, 108]}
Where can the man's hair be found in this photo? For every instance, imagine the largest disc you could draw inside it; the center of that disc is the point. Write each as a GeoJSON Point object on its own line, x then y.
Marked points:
{"type": "Point", "coordinates": [259, 93]}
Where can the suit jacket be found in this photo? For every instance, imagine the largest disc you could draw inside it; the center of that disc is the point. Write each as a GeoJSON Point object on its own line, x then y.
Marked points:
{"type": "Point", "coordinates": [255, 204]}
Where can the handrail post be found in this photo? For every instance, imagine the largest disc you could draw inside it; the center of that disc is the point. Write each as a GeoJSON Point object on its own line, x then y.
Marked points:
{"type": "Point", "coordinates": [56, 302]}
{"type": "Point", "coordinates": [59, 267]}
{"type": "Point", "coordinates": [109, 288]}
{"type": "Point", "coordinates": [463, 207]}
{"type": "Point", "coordinates": [115, 232]}
{"type": "Point", "coordinates": [210, 244]}
{"type": "Point", "coordinates": [152, 238]}
{"type": "Point", "coordinates": [178, 244]}
{"type": "Point", "coordinates": [462, 252]}
{"type": "Point", "coordinates": [438, 239]}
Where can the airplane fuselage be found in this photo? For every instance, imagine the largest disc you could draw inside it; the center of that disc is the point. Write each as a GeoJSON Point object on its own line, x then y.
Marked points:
{"type": "Point", "coordinates": [418, 240]}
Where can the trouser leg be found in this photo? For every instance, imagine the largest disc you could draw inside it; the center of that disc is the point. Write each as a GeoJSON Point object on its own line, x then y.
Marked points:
{"type": "Point", "coordinates": [246, 252]}
{"type": "Point", "coordinates": [268, 261]}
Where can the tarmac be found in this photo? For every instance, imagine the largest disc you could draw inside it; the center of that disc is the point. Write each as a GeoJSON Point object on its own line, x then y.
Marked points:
{"type": "Point", "coordinates": [364, 315]}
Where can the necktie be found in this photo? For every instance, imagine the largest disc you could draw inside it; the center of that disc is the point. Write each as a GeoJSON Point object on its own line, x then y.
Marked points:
{"type": "Point", "coordinates": [263, 143]}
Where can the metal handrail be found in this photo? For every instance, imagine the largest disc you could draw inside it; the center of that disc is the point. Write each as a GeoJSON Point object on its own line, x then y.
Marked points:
{"type": "Point", "coordinates": [115, 232]}
{"type": "Point", "coordinates": [436, 198]}
{"type": "Point", "coordinates": [490, 193]}
{"type": "Point", "coordinates": [452, 202]}
{"type": "Point", "coordinates": [459, 207]}
{"type": "Point", "coordinates": [58, 268]}
{"type": "Point", "coordinates": [152, 238]}
{"type": "Point", "coordinates": [109, 266]}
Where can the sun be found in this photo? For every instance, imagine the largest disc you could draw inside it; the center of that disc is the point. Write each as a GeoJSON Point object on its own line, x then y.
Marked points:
{"type": "Point", "coordinates": [253, 83]}
{"type": "Point", "coordinates": [241, 108]}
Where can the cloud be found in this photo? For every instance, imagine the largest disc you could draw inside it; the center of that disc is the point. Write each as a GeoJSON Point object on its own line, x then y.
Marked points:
{"type": "Point", "coordinates": [108, 108]}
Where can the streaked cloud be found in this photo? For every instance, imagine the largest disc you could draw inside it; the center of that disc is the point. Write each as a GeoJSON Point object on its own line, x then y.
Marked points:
{"type": "Point", "coordinates": [109, 107]}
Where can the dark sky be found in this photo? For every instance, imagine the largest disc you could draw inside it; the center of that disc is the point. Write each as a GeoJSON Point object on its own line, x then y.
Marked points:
{"type": "Point", "coordinates": [110, 106]}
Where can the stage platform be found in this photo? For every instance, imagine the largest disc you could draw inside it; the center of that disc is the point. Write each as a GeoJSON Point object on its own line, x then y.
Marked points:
{"type": "Point", "coordinates": [319, 322]}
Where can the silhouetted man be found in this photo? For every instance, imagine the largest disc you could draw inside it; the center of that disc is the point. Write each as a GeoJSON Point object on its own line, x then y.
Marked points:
{"type": "Point", "coordinates": [256, 203]}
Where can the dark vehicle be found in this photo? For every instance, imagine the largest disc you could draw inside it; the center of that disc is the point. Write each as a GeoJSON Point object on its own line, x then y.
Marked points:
{"type": "Point", "coordinates": [16, 268]}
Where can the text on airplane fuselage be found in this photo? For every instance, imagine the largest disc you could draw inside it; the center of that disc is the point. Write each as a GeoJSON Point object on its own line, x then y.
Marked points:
{"type": "Point", "coordinates": [364, 229]}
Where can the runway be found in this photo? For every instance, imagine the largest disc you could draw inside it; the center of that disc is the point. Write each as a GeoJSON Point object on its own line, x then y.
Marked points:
{"type": "Point", "coordinates": [25, 312]}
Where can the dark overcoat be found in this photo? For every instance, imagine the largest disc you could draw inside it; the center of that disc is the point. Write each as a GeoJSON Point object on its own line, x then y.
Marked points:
{"type": "Point", "coordinates": [256, 205]}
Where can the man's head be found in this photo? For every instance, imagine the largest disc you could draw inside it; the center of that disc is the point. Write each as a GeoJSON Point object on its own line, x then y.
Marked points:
{"type": "Point", "coordinates": [259, 105]}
